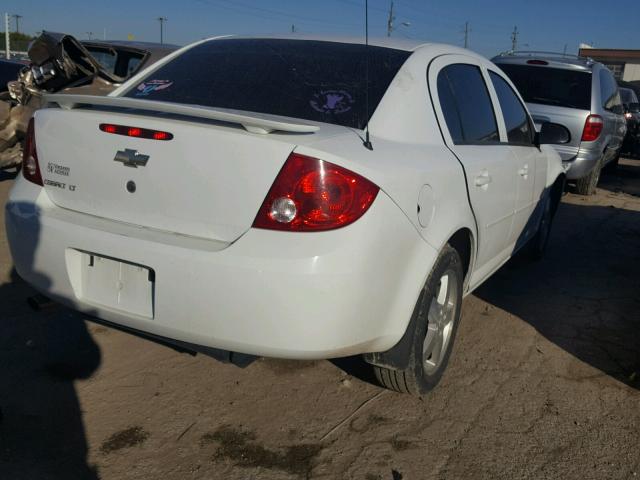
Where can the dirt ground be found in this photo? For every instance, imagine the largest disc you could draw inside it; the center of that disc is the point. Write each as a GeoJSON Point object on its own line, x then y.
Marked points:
{"type": "Point", "coordinates": [544, 382]}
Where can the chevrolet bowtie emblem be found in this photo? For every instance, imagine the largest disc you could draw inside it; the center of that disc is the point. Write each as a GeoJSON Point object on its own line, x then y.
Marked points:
{"type": "Point", "coordinates": [131, 158]}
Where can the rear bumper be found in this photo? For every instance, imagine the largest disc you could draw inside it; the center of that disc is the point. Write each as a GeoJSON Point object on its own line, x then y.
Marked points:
{"type": "Point", "coordinates": [582, 164]}
{"type": "Point", "coordinates": [277, 294]}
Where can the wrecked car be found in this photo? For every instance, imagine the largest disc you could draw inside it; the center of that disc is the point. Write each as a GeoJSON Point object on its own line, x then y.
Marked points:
{"type": "Point", "coordinates": [61, 63]}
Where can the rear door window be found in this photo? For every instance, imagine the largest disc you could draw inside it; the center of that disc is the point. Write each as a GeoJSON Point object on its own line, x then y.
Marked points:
{"type": "Point", "coordinates": [515, 116]}
{"type": "Point", "coordinates": [313, 80]}
{"type": "Point", "coordinates": [466, 105]}
{"type": "Point", "coordinates": [450, 109]}
{"type": "Point", "coordinates": [551, 86]}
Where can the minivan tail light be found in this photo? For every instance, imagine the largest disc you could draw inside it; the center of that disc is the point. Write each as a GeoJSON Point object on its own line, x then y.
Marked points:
{"type": "Point", "coordinates": [30, 165]}
{"type": "Point", "coordinates": [311, 195]}
{"type": "Point", "coordinates": [592, 128]}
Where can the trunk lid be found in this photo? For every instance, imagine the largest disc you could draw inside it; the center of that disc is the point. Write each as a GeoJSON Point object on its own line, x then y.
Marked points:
{"type": "Point", "coordinates": [208, 181]}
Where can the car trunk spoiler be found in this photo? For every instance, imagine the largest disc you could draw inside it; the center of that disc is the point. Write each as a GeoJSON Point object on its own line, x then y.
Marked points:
{"type": "Point", "coordinates": [252, 122]}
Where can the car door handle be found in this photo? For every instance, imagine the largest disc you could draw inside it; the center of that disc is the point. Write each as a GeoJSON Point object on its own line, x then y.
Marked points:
{"type": "Point", "coordinates": [524, 171]}
{"type": "Point", "coordinates": [483, 179]}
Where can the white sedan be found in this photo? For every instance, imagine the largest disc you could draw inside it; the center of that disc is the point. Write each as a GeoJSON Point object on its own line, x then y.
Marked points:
{"type": "Point", "coordinates": [260, 196]}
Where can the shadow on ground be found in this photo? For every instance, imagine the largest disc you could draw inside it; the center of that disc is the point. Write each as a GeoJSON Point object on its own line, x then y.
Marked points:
{"type": "Point", "coordinates": [584, 296]}
{"type": "Point", "coordinates": [41, 431]}
{"type": "Point", "coordinates": [624, 179]}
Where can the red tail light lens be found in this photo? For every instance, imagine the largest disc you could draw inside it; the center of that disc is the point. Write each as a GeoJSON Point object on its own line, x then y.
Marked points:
{"type": "Point", "coordinates": [135, 132]}
{"type": "Point", "coordinates": [592, 128]}
{"type": "Point", "coordinates": [311, 195]}
{"type": "Point", "coordinates": [30, 166]}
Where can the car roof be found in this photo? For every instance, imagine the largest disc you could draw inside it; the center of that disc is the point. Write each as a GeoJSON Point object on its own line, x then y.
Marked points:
{"type": "Point", "coordinates": [387, 42]}
{"type": "Point", "coordinates": [554, 60]}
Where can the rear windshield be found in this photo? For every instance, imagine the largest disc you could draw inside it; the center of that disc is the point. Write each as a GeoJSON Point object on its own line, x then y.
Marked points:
{"type": "Point", "coordinates": [312, 80]}
{"type": "Point", "coordinates": [551, 86]}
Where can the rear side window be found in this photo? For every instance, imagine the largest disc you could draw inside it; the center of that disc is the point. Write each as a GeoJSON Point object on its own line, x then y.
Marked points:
{"type": "Point", "coordinates": [628, 96]}
{"type": "Point", "coordinates": [551, 86]}
{"type": "Point", "coordinates": [312, 80]}
{"type": "Point", "coordinates": [609, 92]}
{"type": "Point", "coordinates": [515, 116]}
{"type": "Point", "coordinates": [466, 105]}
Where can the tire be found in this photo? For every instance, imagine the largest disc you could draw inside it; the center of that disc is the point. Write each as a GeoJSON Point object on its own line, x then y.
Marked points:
{"type": "Point", "coordinates": [587, 185]}
{"type": "Point", "coordinates": [613, 164]}
{"type": "Point", "coordinates": [438, 315]}
{"type": "Point", "coordinates": [538, 243]}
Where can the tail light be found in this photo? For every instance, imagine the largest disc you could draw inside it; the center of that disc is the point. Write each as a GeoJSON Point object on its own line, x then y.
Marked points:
{"type": "Point", "coordinates": [30, 166]}
{"type": "Point", "coordinates": [592, 128]}
{"type": "Point", "coordinates": [311, 195]}
{"type": "Point", "coordinates": [135, 131]}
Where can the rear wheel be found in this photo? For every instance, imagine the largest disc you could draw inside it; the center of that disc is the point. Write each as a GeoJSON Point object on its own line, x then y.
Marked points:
{"type": "Point", "coordinates": [437, 322]}
{"type": "Point", "coordinates": [613, 164]}
{"type": "Point", "coordinates": [587, 185]}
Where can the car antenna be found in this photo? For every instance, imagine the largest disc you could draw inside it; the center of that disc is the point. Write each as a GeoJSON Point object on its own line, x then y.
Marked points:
{"type": "Point", "coordinates": [367, 141]}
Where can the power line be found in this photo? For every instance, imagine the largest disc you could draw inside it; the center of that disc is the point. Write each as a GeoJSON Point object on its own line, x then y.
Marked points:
{"type": "Point", "coordinates": [268, 13]}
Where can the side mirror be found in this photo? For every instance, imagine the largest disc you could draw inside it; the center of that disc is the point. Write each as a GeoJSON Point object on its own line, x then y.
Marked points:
{"type": "Point", "coordinates": [553, 134]}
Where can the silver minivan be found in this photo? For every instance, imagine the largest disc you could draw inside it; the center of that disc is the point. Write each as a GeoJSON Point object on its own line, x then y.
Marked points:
{"type": "Point", "coordinates": [580, 94]}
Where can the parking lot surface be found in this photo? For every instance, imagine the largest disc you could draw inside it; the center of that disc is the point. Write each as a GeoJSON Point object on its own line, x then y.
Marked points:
{"type": "Point", "coordinates": [544, 382]}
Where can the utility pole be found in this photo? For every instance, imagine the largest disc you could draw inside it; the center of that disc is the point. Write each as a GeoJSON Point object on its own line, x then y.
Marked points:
{"type": "Point", "coordinates": [17, 17]}
{"type": "Point", "coordinates": [390, 22]}
{"type": "Point", "coordinates": [467, 30]}
{"type": "Point", "coordinates": [564, 51]}
{"type": "Point", "coordinates": [89, 34]}
{"type": "Point", "coordinates": [162, 20]}
{"type": "Point", "coordinates": [7, 45]}
{"type": "Point", "coordinates": [514, 39]}
{"type": "Point", "coordinates": [293, 28]}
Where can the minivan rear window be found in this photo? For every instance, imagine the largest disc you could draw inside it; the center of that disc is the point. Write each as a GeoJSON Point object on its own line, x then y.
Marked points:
{"type": "Point", "coordinates": [551, 86]}
{"type": "Point", "coordinates": [313, 80]}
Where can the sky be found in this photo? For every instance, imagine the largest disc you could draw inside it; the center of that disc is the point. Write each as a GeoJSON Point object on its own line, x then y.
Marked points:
{"type": "Point", "coordinates": [542, 24]}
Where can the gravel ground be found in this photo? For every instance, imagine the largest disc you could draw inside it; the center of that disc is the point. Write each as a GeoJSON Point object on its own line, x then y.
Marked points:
{"type": "Point", "coordinates": [544, 382]}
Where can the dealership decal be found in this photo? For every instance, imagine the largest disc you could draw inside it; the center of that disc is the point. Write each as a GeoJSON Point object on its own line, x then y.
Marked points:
{"type": "Point", "coordinates": [332, 101]}
{"type": "Point", "coordinates": [150, 86]}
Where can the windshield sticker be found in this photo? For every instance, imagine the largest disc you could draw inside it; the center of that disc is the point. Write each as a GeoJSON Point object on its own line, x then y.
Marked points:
{"type": "Point", "coordinates": [149, 86]}
{"type": "Point", "coordinates": [332, 101]}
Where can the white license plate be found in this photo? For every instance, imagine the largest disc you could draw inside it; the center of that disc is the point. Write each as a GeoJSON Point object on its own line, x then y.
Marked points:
{"type": "Point", "coordinates": [116, 284]}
